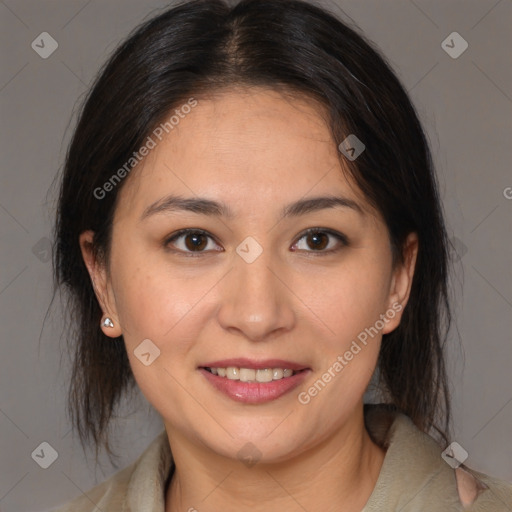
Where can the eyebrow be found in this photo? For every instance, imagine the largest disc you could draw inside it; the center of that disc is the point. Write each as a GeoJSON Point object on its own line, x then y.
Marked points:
{"type": "Point", "coordinates": [204, 206]}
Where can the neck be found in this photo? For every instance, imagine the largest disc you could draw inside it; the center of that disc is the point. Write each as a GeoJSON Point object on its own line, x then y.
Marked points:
{"type": "Point", "coordinates": [342, 468]}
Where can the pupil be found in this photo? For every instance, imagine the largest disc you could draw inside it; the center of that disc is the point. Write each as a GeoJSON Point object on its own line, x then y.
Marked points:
{"type": "Point", "coordinates": [316, 237]}
{"type": "Point", "coordinates": [196, 243]}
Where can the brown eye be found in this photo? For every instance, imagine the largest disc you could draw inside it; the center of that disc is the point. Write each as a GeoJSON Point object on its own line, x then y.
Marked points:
{"type": "Point", "coordinates": [323, 241]}
{"type": "Point", "coordinates": [317, 241]}
{"type": "Point", "coordinates": [195, 242]}
{"type": "Point", "coordinates": [189, 241]}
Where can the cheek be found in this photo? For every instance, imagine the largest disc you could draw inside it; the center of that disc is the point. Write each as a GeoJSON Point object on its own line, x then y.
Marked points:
{"type": "Point", "coordinates": [155, 306]}
{"type": "Point", "coordinates": [350, 304]}
{"type": "Point", "coordinates": [347, 299]}
{"type": "Point", "coordinates": [164, 309]}
{"type": "Point", "coordinates": [163, 303]}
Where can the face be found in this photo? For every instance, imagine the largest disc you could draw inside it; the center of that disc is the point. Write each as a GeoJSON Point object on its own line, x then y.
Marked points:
{"type": "Point", "coordinates": [263, 277]}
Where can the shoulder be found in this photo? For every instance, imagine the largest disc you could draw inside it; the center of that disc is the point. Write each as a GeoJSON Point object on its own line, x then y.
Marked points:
{"type": "Point", "coordinates": [122, 491]}
{"type": "Point", "coordinates": [414, 473]}
{"type": "Point", "coordinates": [111, 492]}
{"type": "Point", "coordinates": [479, 492]}
{"type": "Point", "coordinates": [468, 486]}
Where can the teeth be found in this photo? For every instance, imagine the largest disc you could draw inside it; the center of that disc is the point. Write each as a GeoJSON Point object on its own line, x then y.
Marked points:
{"type": "Point", "coordinates": [277, 373]}
{"type": "Point", "coordinates": [252, 375]}
{"type": "Point", "coordinates": [233, 373]}
{"type": "Point", "coordinates": [264, 375]}
{"type": "Point", "coordinates": [246, 374]}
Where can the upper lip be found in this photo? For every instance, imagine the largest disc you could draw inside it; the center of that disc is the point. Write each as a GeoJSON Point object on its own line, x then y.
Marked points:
{"type": "Point", "coordinates": [242, 362]}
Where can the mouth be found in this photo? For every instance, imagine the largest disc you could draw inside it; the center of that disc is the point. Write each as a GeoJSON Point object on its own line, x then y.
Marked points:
{"type": "Point", "coordinates": [254, 382]}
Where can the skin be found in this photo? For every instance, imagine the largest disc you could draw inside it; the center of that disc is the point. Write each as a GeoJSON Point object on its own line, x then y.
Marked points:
{"type": "Point", "coordinates": [256, 151]}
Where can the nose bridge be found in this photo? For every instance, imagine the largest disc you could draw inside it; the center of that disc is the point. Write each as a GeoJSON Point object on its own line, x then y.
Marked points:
{"type": "Point", "coordinates": [255, 301]}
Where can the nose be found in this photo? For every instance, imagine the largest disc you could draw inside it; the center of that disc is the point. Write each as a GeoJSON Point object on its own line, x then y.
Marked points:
{"type": "Point", "coordinates": [255, 300]}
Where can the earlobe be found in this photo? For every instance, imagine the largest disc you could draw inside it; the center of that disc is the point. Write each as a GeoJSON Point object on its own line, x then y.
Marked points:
{"type": "Point", "coordinates": [401, 282]}
{"type": "Point", "coordinates": [109, 323]}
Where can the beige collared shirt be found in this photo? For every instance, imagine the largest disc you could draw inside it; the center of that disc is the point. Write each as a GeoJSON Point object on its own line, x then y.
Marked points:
{"type": "Point", "coordinates": [413, 478]}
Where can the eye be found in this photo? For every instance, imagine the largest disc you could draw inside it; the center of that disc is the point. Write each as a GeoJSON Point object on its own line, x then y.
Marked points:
{"type": "Point", "coordinates": [190, 241]}
{"type": "Point", "coordinates": [318, 240]}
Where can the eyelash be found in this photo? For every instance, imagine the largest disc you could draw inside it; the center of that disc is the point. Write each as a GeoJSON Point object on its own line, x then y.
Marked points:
{"type": "Point", "coordinates": [188, 231]}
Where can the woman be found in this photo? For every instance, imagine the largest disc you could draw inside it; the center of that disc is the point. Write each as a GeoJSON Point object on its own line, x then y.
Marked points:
{"type": "Point", "coordinates": [250, 229]}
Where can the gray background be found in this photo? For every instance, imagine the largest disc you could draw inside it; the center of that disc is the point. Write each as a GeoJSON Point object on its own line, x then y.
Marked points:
{"type": "Point", "coordinates": [465, 105]}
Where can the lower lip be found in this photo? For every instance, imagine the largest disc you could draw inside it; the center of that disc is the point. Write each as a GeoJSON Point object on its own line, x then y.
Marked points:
{"type": "Point", "coordinates": [254, 392]}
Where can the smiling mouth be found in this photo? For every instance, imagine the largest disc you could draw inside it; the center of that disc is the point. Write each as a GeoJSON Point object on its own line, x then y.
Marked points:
{"type": "Point", "coordinates": [252, 375]}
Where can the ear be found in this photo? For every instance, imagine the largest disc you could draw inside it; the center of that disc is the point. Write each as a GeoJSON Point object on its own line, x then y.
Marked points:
{"type": "Point", "coordinates": [401, 283]}
{"type": "Point", "coordinates": [100, 283]}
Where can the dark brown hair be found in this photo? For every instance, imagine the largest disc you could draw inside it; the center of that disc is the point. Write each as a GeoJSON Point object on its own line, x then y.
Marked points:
{"type": "Point", "coordinates": [197, 47]}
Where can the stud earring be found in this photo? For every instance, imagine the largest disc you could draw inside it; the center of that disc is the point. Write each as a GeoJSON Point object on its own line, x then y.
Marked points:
{"type": "Point", "coordinates": [107, 322]}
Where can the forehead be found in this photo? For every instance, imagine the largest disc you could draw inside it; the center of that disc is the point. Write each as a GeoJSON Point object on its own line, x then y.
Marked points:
{"type": "Point", "coordinates": [244, 146]}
